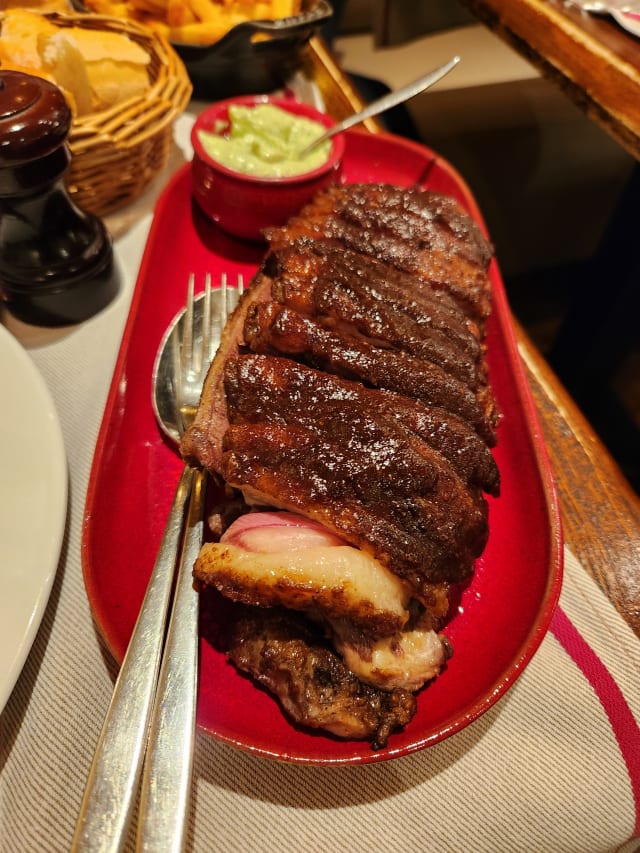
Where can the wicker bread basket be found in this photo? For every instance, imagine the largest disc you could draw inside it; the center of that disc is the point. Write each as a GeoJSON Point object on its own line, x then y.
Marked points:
{"type": "Point", "coordinates": [116, 153]}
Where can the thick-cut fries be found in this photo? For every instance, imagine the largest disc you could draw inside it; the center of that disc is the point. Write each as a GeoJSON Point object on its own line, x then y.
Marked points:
{"type": "Point", "coordinates": [196, 21]}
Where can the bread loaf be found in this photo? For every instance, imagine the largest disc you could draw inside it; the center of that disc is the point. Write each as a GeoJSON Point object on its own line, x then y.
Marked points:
{"type": "Point", "coordinates": [96, 69]}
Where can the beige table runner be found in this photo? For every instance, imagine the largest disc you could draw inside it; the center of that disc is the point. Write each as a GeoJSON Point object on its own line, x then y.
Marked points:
{"type": "Point", "coordinates": [554, 766]}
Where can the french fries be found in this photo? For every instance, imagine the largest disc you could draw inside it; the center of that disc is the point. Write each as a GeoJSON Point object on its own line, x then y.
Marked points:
{"type": "Point", "coordinates": [195, 21]}
{"type": "Point", "coordinates": [37, 5]}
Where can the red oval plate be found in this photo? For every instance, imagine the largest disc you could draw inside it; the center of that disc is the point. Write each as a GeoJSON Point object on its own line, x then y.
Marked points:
{"type": "Point", "coordinates": [503, 614]}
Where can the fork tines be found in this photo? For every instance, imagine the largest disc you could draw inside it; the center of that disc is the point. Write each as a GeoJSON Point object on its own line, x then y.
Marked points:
{"type": "Point", "coordinates": [200, 340]}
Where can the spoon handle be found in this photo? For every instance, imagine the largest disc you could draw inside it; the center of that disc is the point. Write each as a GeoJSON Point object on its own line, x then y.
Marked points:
{"type": "Point", "coordinates": [112, 786]}
{"type": "Point", "coordinates": [166, 783]}
{"type": "Point", "coordinates": [389, 101]}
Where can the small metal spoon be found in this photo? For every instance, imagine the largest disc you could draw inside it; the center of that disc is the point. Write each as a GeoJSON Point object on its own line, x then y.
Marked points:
{"type": "Point", "coordinates": [169, 415]}
{"type": "Point", "coordinates": [385, 103]}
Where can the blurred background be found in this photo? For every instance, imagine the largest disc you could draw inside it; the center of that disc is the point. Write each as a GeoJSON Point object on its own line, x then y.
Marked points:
{"type": "Point", "coordinates": [558, 194]}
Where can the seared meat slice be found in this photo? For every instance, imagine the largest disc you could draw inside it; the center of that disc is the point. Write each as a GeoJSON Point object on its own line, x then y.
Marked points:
{"type": "Point", "coordinates": [370, 279]}
{"type": "Point", "coordinates": [284, 654]}
{"type": "Point", "coordinates": [423, 233]}
{"type": "Point", "coordinates": [262, 388]}
{"type": "Point", "coordinates": [322, 295]}
{"type": "Point", "coordinates": [407, 659]}
{"type": "Point", "coordinates": [406, 508]}
{"type": "Point", "coordinates": [389, 330]}
{"type": "Point", "coordinates": [272, 328]}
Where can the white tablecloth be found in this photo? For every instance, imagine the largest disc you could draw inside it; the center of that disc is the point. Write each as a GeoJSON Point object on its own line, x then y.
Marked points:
{"type": "Point", "coordinates": [554, 766]}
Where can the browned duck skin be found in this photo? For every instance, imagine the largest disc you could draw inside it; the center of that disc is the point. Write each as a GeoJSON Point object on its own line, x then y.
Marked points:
{"type": "Point", "coordinates": [419, 232]}
{"type": "Point", "coordinates": [262, 388]}
{"type": "Point", "coordinates": [288, 657]}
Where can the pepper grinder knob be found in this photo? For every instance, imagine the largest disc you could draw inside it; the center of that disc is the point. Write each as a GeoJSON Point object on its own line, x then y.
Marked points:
{"type": "Point", "coordinates": [56, 260]}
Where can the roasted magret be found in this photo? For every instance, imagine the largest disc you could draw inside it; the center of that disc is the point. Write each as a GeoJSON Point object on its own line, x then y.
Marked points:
{"type": "Point", "coordinates": [349, 406]}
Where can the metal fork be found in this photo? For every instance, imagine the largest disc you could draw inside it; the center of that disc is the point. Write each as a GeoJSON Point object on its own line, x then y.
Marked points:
{"type": "Point", "coordinates": [152, 710]}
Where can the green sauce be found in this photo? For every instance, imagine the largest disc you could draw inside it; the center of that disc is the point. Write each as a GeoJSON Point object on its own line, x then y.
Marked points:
{"type": "Point", "coordinates": [266, 141]}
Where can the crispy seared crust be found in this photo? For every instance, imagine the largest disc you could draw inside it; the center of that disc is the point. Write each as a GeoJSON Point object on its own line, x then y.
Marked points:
{"type": "Point", "coordinates": [321, 280]}
{"type": "Point", "coordinates": [259, 388]}
{"type": "Point", "coordinates": [271, 327]}
{"type": "Point", "coordinates": [422, 233]}
{"type": "Point", "coordinates": [398, 466]}
{"type": "Point", "coordinates": [284, 654]}
{"type": "Point", "coordinates": [340, 583]}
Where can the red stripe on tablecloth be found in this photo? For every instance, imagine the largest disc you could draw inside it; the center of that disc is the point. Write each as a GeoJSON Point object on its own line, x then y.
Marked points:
{"type": "Point", "coordinates": [623, 723]}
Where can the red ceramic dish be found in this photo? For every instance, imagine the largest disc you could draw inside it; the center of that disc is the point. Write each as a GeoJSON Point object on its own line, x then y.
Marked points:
{"type": "Point", "coordinates": [244, 205]}
{"type": "Point", "coordinates": [503, 614]}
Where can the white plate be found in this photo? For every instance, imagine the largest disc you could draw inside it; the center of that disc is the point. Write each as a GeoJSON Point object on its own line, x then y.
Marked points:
{"type": "Point", "coordinates": [627, 19]}
{"type": "Point", "coordinates": [33, 505]}
{"type": "Point", "coordinates": [625, 12]}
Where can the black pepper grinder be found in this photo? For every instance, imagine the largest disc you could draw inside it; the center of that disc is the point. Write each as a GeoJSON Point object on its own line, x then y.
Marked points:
{"type": "Point", "coordinates": [56, 261]}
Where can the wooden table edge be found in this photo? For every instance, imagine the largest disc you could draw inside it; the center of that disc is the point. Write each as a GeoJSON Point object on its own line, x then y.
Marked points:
{"type": "Point", "coordinates": [564, 45]}
{"type": "Point", "coordinates": [600, 511]}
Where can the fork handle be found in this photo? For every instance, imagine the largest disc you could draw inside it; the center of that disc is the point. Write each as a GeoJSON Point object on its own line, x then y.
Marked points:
{"type": "Point", "coordinates": [115, 773]}
{"type": "Point", "coordinates": [166, 783]}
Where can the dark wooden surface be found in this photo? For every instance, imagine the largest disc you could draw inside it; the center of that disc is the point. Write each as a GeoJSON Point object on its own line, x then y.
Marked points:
{"type": "Point", "coordinates": [600, 512]}
{"type": "Point", "coordinates": [593, 60]}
